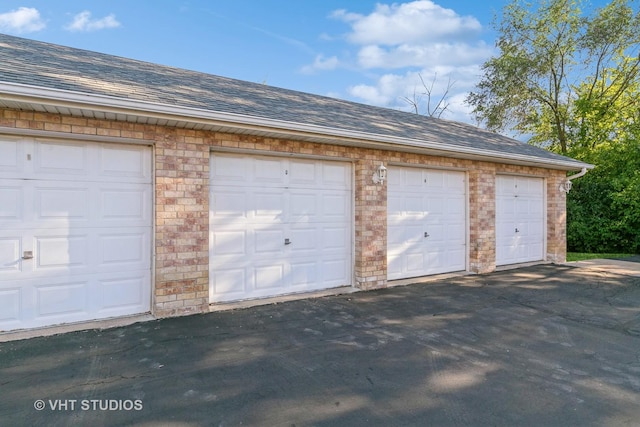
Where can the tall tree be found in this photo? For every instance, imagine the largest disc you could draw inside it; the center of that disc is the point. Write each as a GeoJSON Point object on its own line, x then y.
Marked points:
{"type": "Point", "coordinates": [557, 71]}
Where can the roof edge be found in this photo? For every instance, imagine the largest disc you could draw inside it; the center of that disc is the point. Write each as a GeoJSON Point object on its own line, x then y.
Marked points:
{"type": "Point", "coordinates": [118, 105]}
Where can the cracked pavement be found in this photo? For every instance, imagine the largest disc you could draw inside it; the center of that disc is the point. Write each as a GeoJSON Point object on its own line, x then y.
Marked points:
{"type": "Point", "coordinates": [551, 345]}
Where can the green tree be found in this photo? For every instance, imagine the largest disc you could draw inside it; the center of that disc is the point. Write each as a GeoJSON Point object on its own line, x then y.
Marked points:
{"type": "Point", "coordinates": [571, 82]}
{"type": "Point", "coordinates": [603, 208]}
{"type": "Point", "coordinates": [557, 71]}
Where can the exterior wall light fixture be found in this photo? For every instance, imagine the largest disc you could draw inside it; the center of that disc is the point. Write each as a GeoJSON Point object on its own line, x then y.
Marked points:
{"type": "Point", "coordinates": [565, 186]}
{"type": "Point", "coordinates": [380, 174]}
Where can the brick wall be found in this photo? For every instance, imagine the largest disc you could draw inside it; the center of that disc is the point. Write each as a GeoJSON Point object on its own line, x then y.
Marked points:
{"type": "Point", "coordinates": [370, 226]}
{"type": "Point", "coordinates": [482, 215]}
{"type": "Point", "coordinates": [556, 218]}
{"type": "Point", "coordinates": [181, 159]}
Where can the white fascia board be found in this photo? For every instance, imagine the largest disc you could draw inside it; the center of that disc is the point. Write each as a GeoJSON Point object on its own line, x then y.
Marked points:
{"type": "Point", "coordinates": [103, 103]}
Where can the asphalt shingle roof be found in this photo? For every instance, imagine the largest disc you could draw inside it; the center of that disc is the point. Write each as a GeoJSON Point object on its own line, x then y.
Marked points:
{"type": "Point", "coordinates": [45, 65]}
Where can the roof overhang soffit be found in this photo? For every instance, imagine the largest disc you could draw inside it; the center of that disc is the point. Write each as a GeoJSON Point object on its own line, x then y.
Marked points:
{"type": "Point", "coordinates": [152, 113]}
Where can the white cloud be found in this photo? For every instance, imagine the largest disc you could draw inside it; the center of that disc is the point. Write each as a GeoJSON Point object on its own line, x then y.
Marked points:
{"type": "Point", "coordinates": [321, 63]}
{"type": "Point", "coordinates": [403, 41]}
{"type": "Point", "coordinates": [423, 55]}
{"type": "Point", "coordinates": [390, 90]}
{"type": "Point", "coordinates": [21, 20]}
{"type": "Point", "coordinates": [417, 21]}
{"type": "Point", "coordinates": [83, 22]}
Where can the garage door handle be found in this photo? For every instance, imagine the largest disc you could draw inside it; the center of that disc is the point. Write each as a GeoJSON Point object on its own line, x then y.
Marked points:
{"type": "Point", "coordinates": [287, 241]}
{"type": "Point", "coordinates": [27, 255]}
{"type": "Point", "coordinates": [517, 231]}
{"type": "Point", "coordinates": [426, 234]}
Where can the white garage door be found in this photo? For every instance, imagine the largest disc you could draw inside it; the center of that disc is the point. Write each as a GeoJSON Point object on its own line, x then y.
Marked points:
{"type": "Point", "coordinates": [278, 226]}
{"type": "Point", "coordinates": [519, 219]}
{"type": "Point", "coordinates": [426, 222]}
{"type": "Point", "coordinates": [75, 232]}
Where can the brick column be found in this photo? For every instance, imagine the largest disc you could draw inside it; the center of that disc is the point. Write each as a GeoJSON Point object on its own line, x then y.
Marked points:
{"type": "Point", "coordinates": [370, 227]}
{"type": "Point", "coordinates": [556, 218]}
{"type": "Point", "coordinates": [482, 219]}
{"type": "Point", "coordinates": [182, 224]}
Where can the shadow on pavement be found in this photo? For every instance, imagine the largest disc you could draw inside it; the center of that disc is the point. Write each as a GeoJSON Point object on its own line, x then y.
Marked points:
{"type": "Point", "coordinates": [545, 345]}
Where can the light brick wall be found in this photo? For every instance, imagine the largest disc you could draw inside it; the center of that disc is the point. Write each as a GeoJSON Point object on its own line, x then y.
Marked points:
{"type": "Point", "coordinates": [556, 218]}
{"type": "Point", "coordinates": [370, 226]}
{"type": "Point", "coordinates": [482, 218]}
{"type": "Point", "coordinates": [182, 222]}
{"type": "Point", "coordinates": [181, 159]}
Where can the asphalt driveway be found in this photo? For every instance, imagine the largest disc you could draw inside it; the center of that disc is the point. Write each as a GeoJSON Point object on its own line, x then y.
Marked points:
{"type": "Point", "coordinates": [546, 345]}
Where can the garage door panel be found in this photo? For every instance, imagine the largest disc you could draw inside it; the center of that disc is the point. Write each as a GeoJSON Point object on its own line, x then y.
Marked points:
{"type": "Point", "coordinates": [232, 242]}
{"type": "Point", "coordinates": [83, 215]}
{"type": "Point", "coordinates": [520, 225]}
{"type": "Point", "coordinates": [411, 234]}
{"type": "Point", "coordinates": [62, 299]}
{"type": "Point", "coordinates": [435, 259]}
{"type": "Point", "coordinates": [334, 272]}
{"type": "Point", "coordinates": [395, 236]}
{"type": "Point", "coordinates": [523, 207]}
{"type": "Point", "coordinates": [416, 262]}
{"type": "Point", "coordinates": [124, 250]}
{"type": "Point", "coordinates": [60, 158]}
{"type": "Point", "coordinates": [455, 233]}
{"type": "Point", "coordinates": [536, 208]}
{"type": "Point", "coordinates": [61, 203]}
{"type": "Point", "coordinates": [436, 235]}
{"type": "Point", "coordinates": [11, 202]}
{"type": "Point", "coordinates": [230, 282]}
{"type": "Point", "coordinates": [10, 299]}
{"type": "Point", "coordinates": [395, 265]}
{"type": "Point", "coordinates": [305, 239]}
{"type": "Point", "coordinates": [69, 298]}
{"type": "Point", "coordinates": [506, 185]}
{"type": "Point", "coordinates": [304, 173]}
{"type": "Point", "coordinates": [395, 206]}
{"type": "Point", "coordinates": [268, 206]}
{"type": "Point", "coordinates": [410, 177]}
{"type": "Point", "coordinates": [454, 257]}
{"type": "Point", "coordinates": [455, 206]}
{"type": "Point", "coordinates": [127, 164]}
{"type": "Point", "coordinates": [303, 206]}
{"type": "Point", "coordinates": [335, 238]}
{"type": "Point", "coordinates": [413, 205]}
{"type": "Point", "coordinates": [298, 213]}
{"type": "Point", "coordinates": [269, 276]}
{"type": "Point", "coordinates": [530, 187]}
{"type": "Point", "coordinates": [11, 156]}
{"type": "Point", "coordinates": [334, 206]}
{"type": "Point", "coordinates": [228, 203]}
{"type": "Point", "coordinates": [269, 242]}
{"type": "Point", "coordinates": [435, 180]}
{"type": "Point", "coordinates": [426, 221]}
{"type": "Point", "coordinates": [10, 255]}
{"type": "Point", "coordinates": [269, 170]}
{"type": "Point", "coordinates": [125, 204]}
{"type": "Point", "coordinates": [122, 293]}
{"type": "Point", "coordinates": [455, 181]}
{"type": "Point", "coordinates": [62, 252]}
{"type": "Point", "coordinates": [230, 169]}
{"type": "Point", "coordinates": [437, 207]}
{"type": "Point", "coordinates": [304, 272]}
{"type": "Point", "coordinates": [335, 176]}
{"type": "Point", "coordinates": [536, 228]}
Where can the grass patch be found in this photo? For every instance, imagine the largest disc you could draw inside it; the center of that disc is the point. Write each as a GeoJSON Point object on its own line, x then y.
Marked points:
{"type": "Point", "coordinates": [578, 256]}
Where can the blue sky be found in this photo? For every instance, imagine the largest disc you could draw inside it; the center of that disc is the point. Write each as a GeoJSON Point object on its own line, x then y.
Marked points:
{"type": "Point", "coordinates": [372, 52]}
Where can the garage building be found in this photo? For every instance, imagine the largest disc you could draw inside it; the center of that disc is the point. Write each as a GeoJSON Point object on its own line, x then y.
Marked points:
{"type": "Point", "coordinates": [128, 187]}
